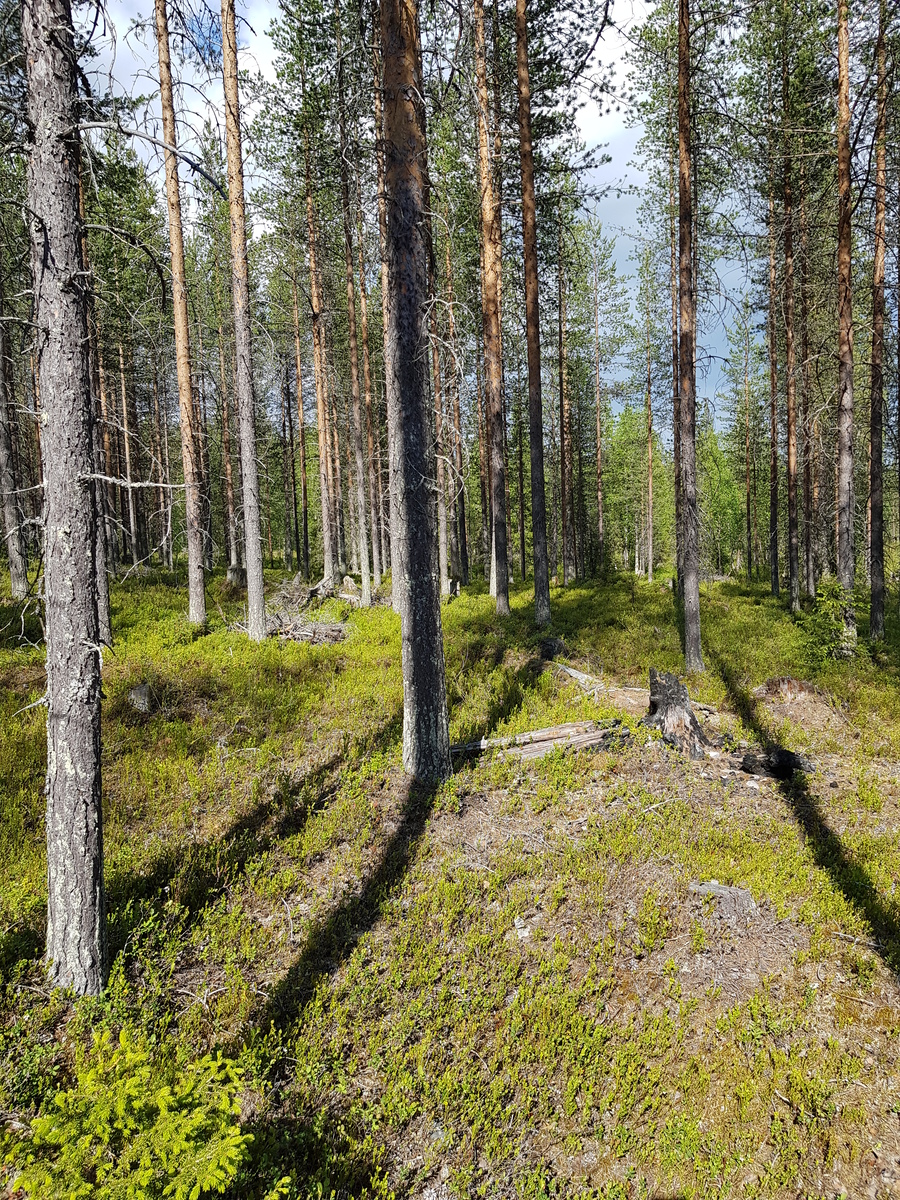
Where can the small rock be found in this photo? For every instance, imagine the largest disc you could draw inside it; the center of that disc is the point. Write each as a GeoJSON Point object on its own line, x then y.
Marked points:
{"type": "Point", "coordinates": [141, 698]}
{"type": "Point", "coordinates": [750, 783]}
{"type": "Point", "coordinates": [521, 928]}
{"type": "Point", "coordinates": [349, 585]}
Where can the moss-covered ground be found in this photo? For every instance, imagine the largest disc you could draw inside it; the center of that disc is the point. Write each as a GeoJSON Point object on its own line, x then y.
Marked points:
{"type": "Point", "coordinates": [505, 987]}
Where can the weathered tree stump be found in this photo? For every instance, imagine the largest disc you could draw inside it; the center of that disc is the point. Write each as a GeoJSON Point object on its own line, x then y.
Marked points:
{"type": "Point", "coordinates": [671, 713]}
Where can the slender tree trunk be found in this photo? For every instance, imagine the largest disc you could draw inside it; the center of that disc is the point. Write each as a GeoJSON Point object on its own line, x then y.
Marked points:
{"type": "Point", "coordinates": [773, 392]}
{"type": "Point", "coordinates": [482, 474]}
{"type": "Point", "coordinates": [203, 433]}
{"type": "Point", "coordinates": [76, 916]}
{"type": "Point", "coordinates": [159, 456]}
{"type": "Point", "coordinates": [109, 466]}
{"type": "Point", "coordinates": [337, 473]}
{"type": "Point", "coordinates": [443, 556]}
{"type": "Point", "coordinates": [301, 436]}
{"type": "Point", "coordinates": [240, 290]}
{"type": "Point", "coordinates": [329, 531]}
{"type": "Point", "coordinates": [810, 516]}
{"type": "Point", "coordinates": [382, 244]}
{"type": "Point", "coordinates": [12, 524]}
{"type": "Point", "coordinates": [845, 552]}
{"type": "Point", "coordinates": [189, 441]}
{"type": "Point", "coordinates": [426, 741]}
{"type": "Point", "coordinates": [493, 386]}
{"type": "Point", "coordinates": [286, 469]}
{"type": "Point", "coordinates": [676, 372]}
{"type": "Point", "coordinates": [532, 326]}
{"type": "Point", "coordinates": [747, 445]}
{"type": "Point", "coordinates": [374, 514]}
{"type": "Point", "coordinates": [693, 657]}
{"type": "Point", "coordinates": [649, 462]}
{"type": "Point", "coordinates": [459, 487]}
{"type": "Point", "coordinates": [791, 367]}
{"type": "Point", "coordinates": [601, 543]}
{"type": "Point", "coordinates": [292, 465]}
{"type": "Point", "coordinates": [126, 437]}
{"type": "Point", "coordinates": [235, 571]}
{"type": "Point", "coordinates": [359, 453]}
{"type": "Point", "coordinates": [876, 476]}
{"type": "Point", "coordinates": [565, 429]}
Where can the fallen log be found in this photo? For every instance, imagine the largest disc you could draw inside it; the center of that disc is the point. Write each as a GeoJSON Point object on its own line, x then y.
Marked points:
{"type": "Point", "coordinates": [671, 713]}
{"type": "Point", "coordinates": [574, 735]}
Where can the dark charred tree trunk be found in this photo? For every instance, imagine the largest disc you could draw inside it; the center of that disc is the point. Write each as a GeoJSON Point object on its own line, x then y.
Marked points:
{"type": "Point", "coordinates": [76, 917]}
{"type": "Point", "coordinates": [426, 740]}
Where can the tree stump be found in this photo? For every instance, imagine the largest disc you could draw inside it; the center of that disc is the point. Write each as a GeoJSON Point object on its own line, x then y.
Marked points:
{"type": "Point", "coordinates": [671, 713]}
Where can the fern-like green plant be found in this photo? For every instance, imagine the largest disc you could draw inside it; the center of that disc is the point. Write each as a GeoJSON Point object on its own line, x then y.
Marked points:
{"type": "Point", "coordinates": [135, 1128]}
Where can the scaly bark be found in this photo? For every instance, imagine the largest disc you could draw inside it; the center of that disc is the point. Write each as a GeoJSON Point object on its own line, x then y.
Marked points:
{"type": "Point", "coordinates": [426, 741]}
{"type": "Point", "coordinates": [76, 916]}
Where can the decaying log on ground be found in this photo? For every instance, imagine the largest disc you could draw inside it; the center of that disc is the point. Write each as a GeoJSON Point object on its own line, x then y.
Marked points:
{"type": "Point", "coordinates": [671, 713]}
{"type": "Point", "coordinates": [574, 735]}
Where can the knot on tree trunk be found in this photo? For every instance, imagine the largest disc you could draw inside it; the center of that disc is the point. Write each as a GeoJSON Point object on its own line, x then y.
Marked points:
{"type": "Point", "coordinates": [671, 713]}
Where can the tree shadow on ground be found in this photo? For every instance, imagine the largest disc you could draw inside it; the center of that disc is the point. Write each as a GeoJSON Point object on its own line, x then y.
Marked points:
{"type": "Point", "coordinates": [849, 876]}
{"type": "Point", "coordinates": [333, 940]}
{"type": "Point", "coordinates": [197, 873]}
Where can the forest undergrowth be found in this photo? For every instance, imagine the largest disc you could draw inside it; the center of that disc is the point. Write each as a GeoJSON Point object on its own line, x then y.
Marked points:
{"type": "Point", "coordinates": [505, 987]}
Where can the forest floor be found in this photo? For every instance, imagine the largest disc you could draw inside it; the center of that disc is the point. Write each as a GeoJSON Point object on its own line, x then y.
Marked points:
{"type": "Point", "coordinates": [505, 987]}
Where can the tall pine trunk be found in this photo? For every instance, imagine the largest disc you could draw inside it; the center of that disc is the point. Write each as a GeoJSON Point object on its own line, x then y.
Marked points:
{"type": "Point", "coordinates": [532, 326]}
{"type": "Point", "coordinates": [240, 290]}
{"type": "Point", "coordinates": [371, 430]}
{"type": "Point", "coordinates": [357, 426]}
{"type": "Point", "coordinates": [845, 550]}
{"type": "Point", "coordinates": [301, 436]}
{"type": "Point", "coordinates": [490, 305]}
{"type": "Point", "coordinates": [566, 489]}
{"type": "Point", "coordinates": [190, 443]}
{"type": "Point", "coordinates": [810, 516]}
{"type": "Point", "coordinates": [876, 467]}
{"type": "Point", "coordinates": [791, 365]}
{"type": "Point", "coordinates": [326, 494]}
{"type": "Point", "coordinates": [693, 657]}
{"type": "Point", "coordinates": [773, 390]}
{"type": "Point", "coordinates": [426, 741]}
{"type": "Point", "coordinates": [76, 916]}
